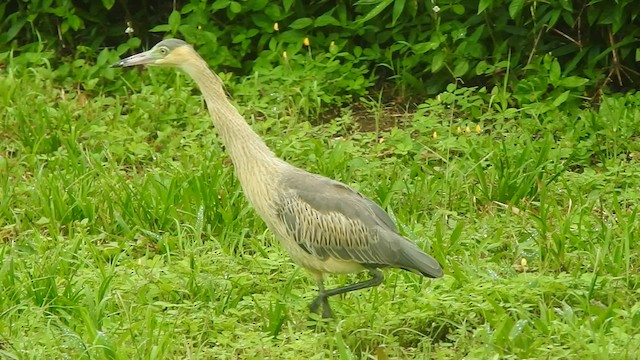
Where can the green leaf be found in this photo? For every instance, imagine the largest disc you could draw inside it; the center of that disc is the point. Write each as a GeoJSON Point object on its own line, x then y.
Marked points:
{"type": "Point", "coordinates": [482, 67]}
{"type": "Point", "coordinates": [567, 5]}
{"type": "Point", "coordinates": [235, 7]}
{"type": "Point", "coordinates": [220, 4]}
{"type": "Point", "coordinates": [375, 11]}
{"type": "Point", "coordinates": [398, 7]}
{"type": "Point", "coordinates": [343, 350]}
{"type": "Point", "coordinates": [134, 43]}
{"type": "Point", "coordinates": [287, 5]}
{"type": "Point", "coordinates": [74, 22]}
{"type": "Point", "coordinates": [103, 57]}
{"type": "Point", "coordinates": [554, 73]}
{"type": "Point", "coordinates": [301, 23]}
{"type": "Point", "coordinates": [412, 8]}
{"type": "Point", "coordinates": [324, 20]}
{"type": "Point", "coordinates": [573, 81]}
{"type": "Point", "coordinates": [293, 37]}
{"type": "Point", "coordinates": [273, 12]}
{"type": "Point", "coordinates": [422, 48]}
{"type": "Point", "coordinates": [619, 17]}
{"type": "Point", "coordinates": [555, 15]}
{"type": "Point", "coordinates": [458, 9]}
{"type": "Point", "coordinates": [437, 61]}
{"type": "Point", "coordinates": [15, 28]}
{"type": "Point", "coordinates": [341, 13]}
{"type": "Point", "coordinates": [108, 4]}
{"type": "Point", "coordinates": [257, 5]}
{"type": "Point", "coordinates": [561, 99]}
{"type": "Point", "coordinates": [638, 54]}
{"type": "Point", "coordinates": [160, 28]}
{"type": "Point", "coordinates": [461, 68]}
{"type": "Point", "coordinates": [483, 5]}
{"type": "Point", "coordinates": [262, 22]}
{"type": "Point", "coordinates": [238, 38]}
{"type": "Point", "coordinates": [515, 7]}
{"type": "Point", "coordinates": [174, 21]}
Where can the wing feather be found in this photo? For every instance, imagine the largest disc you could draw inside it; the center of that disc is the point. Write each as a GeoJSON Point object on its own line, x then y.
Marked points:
{"type": "Point", "coordinates": [330, 220]}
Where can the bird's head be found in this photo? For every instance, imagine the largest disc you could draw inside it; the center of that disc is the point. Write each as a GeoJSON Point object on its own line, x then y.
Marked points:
{"type": "Point", "coordinates": [169, 52]}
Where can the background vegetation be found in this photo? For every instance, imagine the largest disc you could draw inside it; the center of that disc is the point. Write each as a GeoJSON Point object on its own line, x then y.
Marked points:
{"type": "Point", "coordinates": [502, 135]}
{"type": "Point", "coordinates": [421, 46]}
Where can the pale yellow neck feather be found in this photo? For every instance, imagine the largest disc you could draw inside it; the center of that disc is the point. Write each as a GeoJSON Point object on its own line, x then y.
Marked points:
{"type": "Point", "coordinates": [255, 164]}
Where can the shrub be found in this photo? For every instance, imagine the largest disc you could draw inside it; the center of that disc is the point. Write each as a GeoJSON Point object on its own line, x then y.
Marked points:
{"type": "Point", "coordinates": [533, 49]}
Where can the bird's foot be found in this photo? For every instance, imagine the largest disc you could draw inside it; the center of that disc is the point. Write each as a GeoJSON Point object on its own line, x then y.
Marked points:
{"type": "Point", "coordinates": [315, 304]}
{"type": "Point", "coordinates": [326, 309]}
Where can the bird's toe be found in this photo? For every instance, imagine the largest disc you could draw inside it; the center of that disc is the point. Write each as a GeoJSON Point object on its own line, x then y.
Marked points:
{"type": "Point", "coordinates": [326, 309]}
{"type": "Point", "coordinates": [315, 304]}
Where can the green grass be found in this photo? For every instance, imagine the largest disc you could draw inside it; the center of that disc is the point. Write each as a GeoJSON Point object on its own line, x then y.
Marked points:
{"type": "Point", "coordinates": [124, 233]}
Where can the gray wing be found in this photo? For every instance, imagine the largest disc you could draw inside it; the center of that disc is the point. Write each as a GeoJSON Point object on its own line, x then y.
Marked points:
{"type": "Point", "coordinates": [330, 220]}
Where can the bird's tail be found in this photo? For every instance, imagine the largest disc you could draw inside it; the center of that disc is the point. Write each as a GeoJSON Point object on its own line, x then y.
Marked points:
{"type": "Point", "coordinates": [414, 259]}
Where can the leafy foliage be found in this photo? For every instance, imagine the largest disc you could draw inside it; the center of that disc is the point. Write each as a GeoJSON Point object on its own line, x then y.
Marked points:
{"type": "Point", "coordinates": [555, 49]}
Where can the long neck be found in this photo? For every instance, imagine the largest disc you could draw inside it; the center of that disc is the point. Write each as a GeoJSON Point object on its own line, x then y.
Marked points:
{"type": "Point", "coordinates": [256, 165]}
{"type": "Point", "coordinates": [244, 146]}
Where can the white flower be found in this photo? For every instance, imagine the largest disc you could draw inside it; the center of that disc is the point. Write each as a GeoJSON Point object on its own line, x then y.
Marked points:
{"type": "Point", "coordinates": [129, 29]}
{"type": "Point", "coordinates": [436, 8]}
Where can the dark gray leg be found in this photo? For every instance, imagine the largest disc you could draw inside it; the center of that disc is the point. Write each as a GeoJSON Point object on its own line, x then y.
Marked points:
{"type": "Point", "coordinates": [323, 295]}
{"type": "Point", "coordinates": [321, 300]}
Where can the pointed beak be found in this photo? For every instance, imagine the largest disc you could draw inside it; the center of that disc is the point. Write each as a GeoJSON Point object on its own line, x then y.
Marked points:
{"type": "Point", "coordinates": [144, 58]}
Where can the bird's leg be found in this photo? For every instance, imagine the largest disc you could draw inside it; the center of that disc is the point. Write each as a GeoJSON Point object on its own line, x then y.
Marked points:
{"type": "Point", "coordinates": [376, 279]}
{"type": "Point", "coordinates": [321, 300]}
{"type": "Point", "coordinates": [323, 296]}
{"type": "Point", "coordinates": [315, 304]}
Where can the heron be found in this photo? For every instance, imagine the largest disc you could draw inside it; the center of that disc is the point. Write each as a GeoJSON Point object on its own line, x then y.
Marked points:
{"type": "Point", "coordinates": [325, 226]}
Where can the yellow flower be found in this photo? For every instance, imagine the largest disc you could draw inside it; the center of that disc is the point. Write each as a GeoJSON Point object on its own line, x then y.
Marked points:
{"type": "Point", "coordinates": [478, 129]}
{"type": "Point", "coordinates": [467, 129]}
{"type": "Point", "coordinates": [458, 130]}
{"type": "Point", "coordinates": [306, 41]}
{"type": "Point", "coordinates": [434, 135]}
{"type": "Point", "coordinates": [276, 27]}
{"type": "Point", "coordinates": [333, 43]}
{"type": "Point", "coordinates": [284, 55]}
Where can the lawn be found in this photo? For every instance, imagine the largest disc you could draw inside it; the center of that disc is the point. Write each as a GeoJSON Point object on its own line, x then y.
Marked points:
{"type": "Point", "coordinates": [124, 233]}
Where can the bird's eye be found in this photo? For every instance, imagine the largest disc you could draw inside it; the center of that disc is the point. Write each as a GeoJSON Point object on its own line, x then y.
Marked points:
{"type": "Point", "coordinates": [164, 51]}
